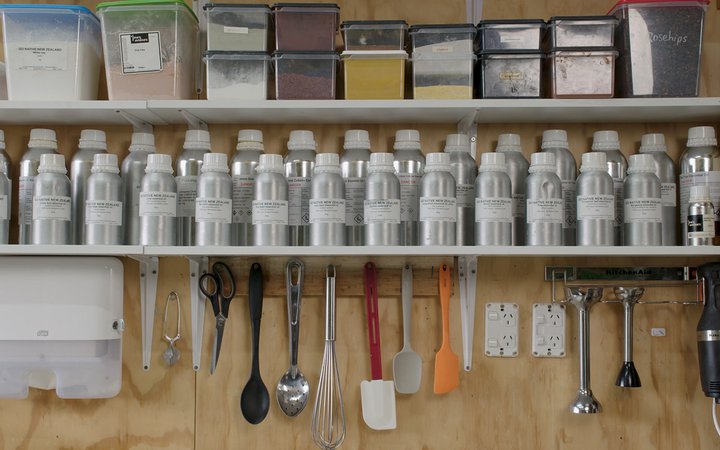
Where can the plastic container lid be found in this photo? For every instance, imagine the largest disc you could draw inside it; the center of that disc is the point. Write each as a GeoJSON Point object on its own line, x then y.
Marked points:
{"type": "Point", "coordinates": [512, 23]}
{"type": "Point", "coordinates": [306, 5]}
{"type": "Point", "coordinates": [357, 139]}
{"type": "Point", "coordinates": [270, 163]}
{"type": "Point", "coordinates": [512, 54]}
{"type": "Point", "coordinates": [302, 140]}
{"type": "Point", "coordinates": [605, 140]}
{"type": "Point", "coordinates": [508, 142]}
{"type": "Point", "coordinates": [2, 140]}
{"type": "Point", "coordinates": [250, 140]}
{"type": "Point", "coordinates": [554, 139]}
{"type": "Point", "coordinates": [105, 162]}
{"type": "Point", "coordinates": [253, 7]}
{"type": "Point", "coordinates": [92, 139]}
{"type": "Point", "coordinates": [654, 3]}
{"type": "Point", "coordinates": [214, 162]}
{"type": "Point", "coordinates": [437, 162]}
{"type": "Point", "coordinates": [653, 142]}
{"type": "Point", "coordinates": [457, 143]}
{"type": "Point", "coordinates": [142, 141]}
{"type": "Point", "coordinates": [381, 162]}
{"type": "Point", "coordinates": [407, 140]}
{"type": "Point", "coordinates": [542, 162]}
{"type": "Point", "coordinates": [197, 140]}
{"type": "Point", "coordinates": [701, 137]}
{"type": "Point", "coordinates": [52, 163]}
{"type": "Point", "coordinates": [374, 54]}
{"type": "Point", "coordinates": [444, 28]}
{"type": "Point", "coordinates": [304, 55]}
{"type": "Point", "coordinates": [121, 3]}
{"type": "Point", "coordinates": [699, 193]}
{"type": "Point", "coordinates": [235, 55]}
{"type": "Point", "coordinates": [159, 163]}
{"type": "Point", "coordinates": [593, 161]}
{"type": "Point", "coordinates": [42, 138]}
{"type": "Point", "coordinates": [583, 51]}
{"type": "Point", "coordinates": [72, 8]}
{"type": "Point", "coordinates": [492, 162]}
{"type": "Point", "coordinates": [582, 20]}
{"type": "Point", "coordinates": [641, 163]}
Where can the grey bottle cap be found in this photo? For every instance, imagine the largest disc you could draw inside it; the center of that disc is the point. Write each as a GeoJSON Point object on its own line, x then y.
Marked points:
{"type": "Point", "coordinates": [407, 140]}
{"type": "Point", "coordinates": [593, 161]}
{"type": "Point", "coordinates": [554, 139]}
{"type": "Point", "coordinates": [653, 142]}
{"type": "Point", "coordinates": [357, 139]}
{"type": "Point", "coordinates": [542, 162]}
{"type": "Point", "coordinates": [250, 140]}
{"type": "Point", "coordinates": [105, 162]}
{"type": "Point", "coordinates": [92, 139]}
{"type": "Point", "coordinates": [52, 163]}
{"type": "Point", "coordinates": [42, 138]}
{"type": "Point", "coordinates": [642, 163]}
{"type": "Point", "coordinates": [700, 193]}
{"type": "Point", "coordinates": [457, 143]}
{"type": "Point", "coordinates": [606, 140]}
{"type": "Point", "coordinates": [142, 141]}
{"type": "Point", "coordinates": [492, 162]}
{"type": "Point", "coordinates": [508, 142]}
{"type": "Point", "coordinates": [270, 163]}
{"type": "Point", "coordinates": [159, 163]}
{"type": "Point", "coordinates": [437, 162]}
{"type": "Point", "coordinates": [214, 162]}
{"type": "Point", "coordinates": [701, 137]}
{"type": "Point", "coordinates": [302, 140]}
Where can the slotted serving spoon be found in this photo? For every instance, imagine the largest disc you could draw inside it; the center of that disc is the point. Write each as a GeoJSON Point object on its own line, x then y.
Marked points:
{"type": "Point", "coordinates": [407, 364]}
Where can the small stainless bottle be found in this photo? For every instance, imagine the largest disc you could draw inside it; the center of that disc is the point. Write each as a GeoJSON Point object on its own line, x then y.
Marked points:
{"type": "Point", "coordinates": [544, 202]}
{"type": "Point", "coordinates": [409, 164]}
{"type": "Point", "coordinates": [464, 168]}
{"type": "Point", "coordinates": [354, 164]}
{"type": "Point", "coordinates": [270, 203]}
{"type": "Point", "coordinates": [518, 166]}
{"type": "Point", "coordinates": [437, 204]}
{"type": "Point", "coordinates": [91, 143]}
{"type": "Point", "coordinates": [158, 202]}
{"type": "Point", "coordinates": [299, 166]}
{"type": "Point", "coordinates": [5, 195]}
{"type": "Point", "coordinates": [654, 144]}
{"type": "Point", "coordinates": [103, 203]}
{"type": "Point", "coordinates": [556, 142]}
{"type": "Point", "coordinates": [595, 201]}
{"type": "Point", "coordinates": [643, 203]}
{"type": "Point", "coordinates": [493, 201]}
{"type": "Point", "coordinates": [242, 170]}
{"type": "Point", "coordinates": [213, 206]}
{"type": "Point", "coordinates": [699, 164]}
{"type": "Point", "coordinates": [327, 202]}
{"type": "Point", "coordinates": [41, 141]}
{"type": "Point", "coordinates": [51, 202]}
{"type": "Point", "coordinates": [700, 217]}
{"type": "Point", "coordinates": [188, 168]}
{"type": "Point", "coordinates": [608, 142]}
{"type": "Point", "coordinates": [132, 172]}
{"type": "Point", "coordinates": [382, 202]}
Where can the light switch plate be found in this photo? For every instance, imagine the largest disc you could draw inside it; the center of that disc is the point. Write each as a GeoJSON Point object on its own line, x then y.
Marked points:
{"type": "Point", "coordinates": [548, 336]}
{"type": "Point", "coordinates": [501, 329]}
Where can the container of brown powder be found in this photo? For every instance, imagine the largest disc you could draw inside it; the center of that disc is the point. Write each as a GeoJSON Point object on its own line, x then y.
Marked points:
{"type": "Point", "coordinates": [305, 75]}
{"type": "Point", "coordinates": [305, 26]}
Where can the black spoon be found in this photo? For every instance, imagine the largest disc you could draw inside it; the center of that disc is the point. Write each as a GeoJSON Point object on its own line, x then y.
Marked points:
{"type": "Point", "coordinates": [255, 400]}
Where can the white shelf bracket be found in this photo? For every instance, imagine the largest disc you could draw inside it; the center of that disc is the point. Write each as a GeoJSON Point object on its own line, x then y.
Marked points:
{"type": "Point", "coordinates": [469, 126]}
{"type": "Point", "coordinates": [193, 122]}
{"type": "Point", "coordinates": [467, 279]}
{"type": "Point", "coordinates": [198, 266]}
{"type": "Point", "coordinates": [473, 10]}
{"type": "Point", "coordinates": [138, 125]}
{"type": "Point", "coordinates": [149, 268]}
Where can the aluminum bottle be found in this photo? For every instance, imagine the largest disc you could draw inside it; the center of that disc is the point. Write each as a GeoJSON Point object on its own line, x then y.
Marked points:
{"type": "Point", "coordinates": [188, 167]}
{"type": "Point", "coordinates": [132, 172]}
{"type": "Point", "coordinates": [5, 195]}
{"type": "Point", "coordinates": [464, 170]}
{"type": "Point", "coordinates": [158, 202]}
{"type": "Point", "coordinates": [409, 165]}
{"type": "Point", "coordinates": [327, 202]}
{"type": "Point", "coordinates": [556, 142]}
{"type": "Point", "coordinates": [595, 201]}
{"type": "Point", "coordinates": [91, 143]}
{"type": "Point", "coordinates": [242, 170]}
{"type": "Point", "coordinates": [270, 203]}
{"type": "Point", "coordinates": [544, 202]}
{"type": "Point", "coordinates": [608, 142]}
{"type": "Point", "coordinates": [643, 203]}
{"type": "Point", "coordinates": [518, 166]}
{"type": "Point", "coordinates": [299, 166]}
{"type": "Point", "coordinates": [213, 206]}
{"type": "Point", "coordinates": [382, 202]}
{"type": "Point", "coordinates": [493, 201]}
{"type": "Point", "coordinates": [41, 141]}
{"type": "Point", "coordinates": [51, 202]}
{"type": "Point", "coordinates": [5, 162]}
{"type": "Point", "coordinates": [354, 164]}
{"type": "Point", "coordinates": [103, 203]}
{"type": "Point", "coordinates": [654, 144]}
{"type": "Point", "coordinates": [699, 164]}
{"type": "Point", "coordinates": [700, 216]}
{"type": "Point", "coordinates": [437, 204]}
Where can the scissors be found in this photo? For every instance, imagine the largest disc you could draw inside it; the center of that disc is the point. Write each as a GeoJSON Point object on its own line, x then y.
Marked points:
{"type": "Point", "coordinates": [219, 287]}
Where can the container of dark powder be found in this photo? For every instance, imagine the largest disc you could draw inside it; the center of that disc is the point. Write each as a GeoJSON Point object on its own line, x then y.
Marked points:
{"type": "Point", "coordinates": [305, 75]}
{"type": "Point", "coordinates": [238, 27]}
{"type": "Point", "coordinates": [305, 26]}
{"type": "Point", "coordinates": [511, 74]}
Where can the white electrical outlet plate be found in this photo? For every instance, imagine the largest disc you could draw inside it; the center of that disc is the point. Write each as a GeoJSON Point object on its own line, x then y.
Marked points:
{"type": "Point", "coordinates": [501, 329]}
{"type": "Point", "coordinates": [548, 336]}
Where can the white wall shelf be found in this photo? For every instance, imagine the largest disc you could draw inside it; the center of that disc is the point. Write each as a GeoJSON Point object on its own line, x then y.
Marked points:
{"type": "Point", "coordinates": [100, 112]}
{"type": "Point", "coordinates": [71, 250]}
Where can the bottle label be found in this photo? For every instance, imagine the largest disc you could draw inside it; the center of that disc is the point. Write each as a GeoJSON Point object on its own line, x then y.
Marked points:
{"type": "Point", "coordinates": [409, 196]}
{"type": "Point", "coordinates": [619, 202]}
{"type": "Point", "coordinates": [51, 207]}
{"type": "Point", "coordinates": [26, 188]}
{"type": "Point", "coordinates": [4, 209]}
{"type": "Point", "coordinates": [103, 212]}
{"type": "Point", "coordinates": [354, 201]}
{"type": "Point", "coordinates": [545, 210]}
{"type": "Point", "coordinates": [242, 198]}
{"type": "Point", "coordinates": [700, 226]}
{"type": "Point", "coordinates": [687, 180]}
{"type": "Point", "coordinates": [569, 205]}
{"type": "Point", "coordinates": [158, 204]}
{"type": "Point", "coordinates": [269, 212]}
{"type": "Point", "coordinates": [141, 52]}
{"type": "Point", "coordinates": [438, 209]}
{"type": "Point", "coordinates": [600, 207]}
{"type": "Point", "coordinates": [186, 195]}
{"type": "Point", "coordinates": [218, 210]}
{"type": "Point", "coordinates": [669, 194]}
{"type": "Point", "coordinates": [465, 194]}
{"type": "Point", "coordinates": [497, 209]}
{"type": "Point", "coordinates": [327, 210]}
{"type": "Point", "coordinates": [298, 200]}
{"type": "Point", "coordinates": [641, 210]}
{"type": "Point", "coordinates": [382, 211]}
{"type": "Point", "coordinates": [518, 205]}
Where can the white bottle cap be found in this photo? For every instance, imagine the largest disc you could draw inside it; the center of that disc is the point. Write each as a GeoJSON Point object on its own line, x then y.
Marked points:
{"type": "Point", "coordinates": [2, 140]}
{"type": "Point", "coordinates": [270, 163]}
{"type": "Point", "coordinates": [92, 139]}
{"type": "Point", "coordinates": [457, 143]}
{"type": "Point", "coordinates": [492, 162]}
{"type": "Point", "coordinates": [159, 163]}
{"type": "Point", "coordinates": [105, 162]}
{"type": "Point", "coordinates": [653, 142]}
{"type": "Point", "coordinates": [52, 163]}
{"type": "Point", "coordinates": [327, 162]}
{"type": "Point", "coordinates": [508, 142]}
{"type": "Point", "coordinates": [407, 140]}
{"type": "Point", "coordinates": [357, 139]}
{"type": "Point", "coordinates": [542, 162]}
{"type": "Point", "coordinates": [197, 140]}
{"type": "Point", "coordinates": [302, 140]}
{"type": "Point", "coordinates": [214, 162]}
{"type": "Point", "coordinates": [700, 193]}
{"type": "Point", "coordinates": [250, 140]}
{"type": "Point", "coordinates": [605, 140]}
{"type": "Point", "coordinates": [701, 137]}
{"type": "Point", "coordinates": [142, 141]}
{"type": "Point", "coordinates": [437, 162]}
{"type": "Point", "coordinates": [381, 162]}
{"type": "Point", "coordinates": [593, 161]}
{"type": "Point", "coordinates": [554, 139]}
{"type": "Point", "coordinates": [42, 138]}
{"type": "Point", "coordinates": [641, 163]}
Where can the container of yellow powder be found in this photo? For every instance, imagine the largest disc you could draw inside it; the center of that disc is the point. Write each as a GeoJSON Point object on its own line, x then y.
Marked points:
{"type": "Point", "coordinates": [443, 77]}
{"type": "Point", "coordinates": [373, 75]}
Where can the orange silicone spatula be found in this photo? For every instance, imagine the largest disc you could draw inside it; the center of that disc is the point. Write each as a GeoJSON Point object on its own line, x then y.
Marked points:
{"type": "Point", "coordinates": [446, 362]}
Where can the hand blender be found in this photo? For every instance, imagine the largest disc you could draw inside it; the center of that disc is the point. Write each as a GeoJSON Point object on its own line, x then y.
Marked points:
{"type": "Point", "coordinates": [708, 331]}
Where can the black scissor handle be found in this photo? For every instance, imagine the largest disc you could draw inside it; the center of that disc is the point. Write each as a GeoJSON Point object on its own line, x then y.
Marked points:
{"type": "Point", "coordinates": [204, 285]}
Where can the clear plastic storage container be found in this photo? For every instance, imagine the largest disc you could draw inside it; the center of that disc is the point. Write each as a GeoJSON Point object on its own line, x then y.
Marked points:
{"type": "Point", "coordinates": [581, 31]}
{"type": "Point", "coordinates": [582, 73]}
{"type": "Point", "coordinates": [237, 75]}
{"type": "Point", "coordinates": [305, 75]}
{"type": "Point", "coordinates": [52, 52]}
{"type": "Point", "coordinates": [374, 34]}
{"type": "Point", "coordinates": [445, 77]}
{"type": "Point", "coordinates": [374, 75]}
{"type": "Point", "coordinates": [237, 27]}
{"type": "Point", "coordinates": [305, 26]}
{"type": "Point", "coordinates": [511, 74]}
{"type": "Point", "coordinates": [150, 49]}
{"type": "Point", "coordinates": [660, 44]}
{"type": "Point", "coordinates": [520, 34]}
{"type": "Point", "coordinates": [442, 39]}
